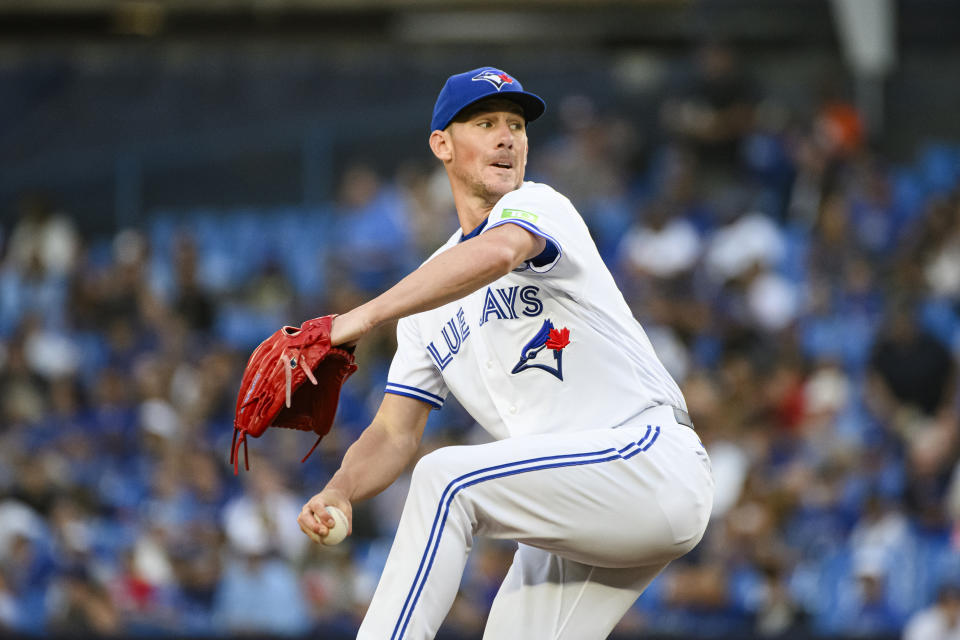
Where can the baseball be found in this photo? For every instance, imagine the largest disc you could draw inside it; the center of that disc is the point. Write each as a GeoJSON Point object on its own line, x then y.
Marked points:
{"type": "Point", "coordinates": [339, 530]}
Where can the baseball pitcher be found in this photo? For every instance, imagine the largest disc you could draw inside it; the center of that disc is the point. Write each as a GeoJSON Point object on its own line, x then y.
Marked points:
{"type": "Point", "coordinates": [596, 471]}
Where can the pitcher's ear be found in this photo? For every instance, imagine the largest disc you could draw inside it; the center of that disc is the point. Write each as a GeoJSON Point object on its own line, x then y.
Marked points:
{"type": "Point", "coordinates": [441, 145]}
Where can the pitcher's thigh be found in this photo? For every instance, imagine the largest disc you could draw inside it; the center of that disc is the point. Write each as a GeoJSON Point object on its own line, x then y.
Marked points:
{"type": "Point", "coordinates": [610, 497]}
{"type": "Point", "coordinates": [576, 495]}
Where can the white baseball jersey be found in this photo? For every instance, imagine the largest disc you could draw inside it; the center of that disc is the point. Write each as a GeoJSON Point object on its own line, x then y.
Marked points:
{"type": "Point", "coordinates": [550, 347]}
{"type": "Point", "coordinates": [591, 473]}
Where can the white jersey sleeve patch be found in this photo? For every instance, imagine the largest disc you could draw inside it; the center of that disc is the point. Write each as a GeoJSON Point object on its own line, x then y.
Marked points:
{"type": "Point", "coordinates": [412, 372]}
{"type": "Point", "coordinates": [543, 212]}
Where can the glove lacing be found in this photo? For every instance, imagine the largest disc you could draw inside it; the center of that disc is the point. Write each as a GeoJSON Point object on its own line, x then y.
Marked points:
{"type": "Point", "coordinates": [289, 363]}
{"type": "Point", "coordinates": [235, 451]}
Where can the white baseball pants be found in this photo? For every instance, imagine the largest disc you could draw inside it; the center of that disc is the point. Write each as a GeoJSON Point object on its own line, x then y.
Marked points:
{"type": "Point", "coordinates": [598, 514]}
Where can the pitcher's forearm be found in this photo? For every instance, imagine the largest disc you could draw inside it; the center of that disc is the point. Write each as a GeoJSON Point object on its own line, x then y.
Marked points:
{"type": "Point", "coordinates": [373, 462]}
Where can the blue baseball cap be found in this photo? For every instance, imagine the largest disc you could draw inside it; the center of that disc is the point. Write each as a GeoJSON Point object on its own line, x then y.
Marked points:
{"type": "Point", "coordinates": [464, 89]}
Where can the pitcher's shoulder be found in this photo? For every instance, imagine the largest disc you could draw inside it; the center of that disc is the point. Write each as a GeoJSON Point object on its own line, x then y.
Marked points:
{"type": "Point", "coordinates": [535, 193]}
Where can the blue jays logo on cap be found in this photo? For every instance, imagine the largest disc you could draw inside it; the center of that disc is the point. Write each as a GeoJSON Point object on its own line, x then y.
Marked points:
{"type": "Point", "coordinates": [547, 338]}
{"type": "Point", "coordinates": [494, 78]}
{"type": "Point", "coordinates": [464, 89]}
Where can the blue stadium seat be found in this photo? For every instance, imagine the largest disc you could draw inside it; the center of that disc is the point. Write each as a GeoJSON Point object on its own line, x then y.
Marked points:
{"type": "Point", "coordinates": [940, 164]}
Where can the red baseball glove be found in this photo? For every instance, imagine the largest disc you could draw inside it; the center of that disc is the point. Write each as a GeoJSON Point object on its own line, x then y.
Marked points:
{"type": "Point", "coordinates": [273, 393]}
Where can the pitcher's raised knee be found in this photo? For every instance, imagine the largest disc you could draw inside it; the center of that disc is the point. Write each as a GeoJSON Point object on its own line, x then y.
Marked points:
{"type": "Point", "coordinates": [438, 470]}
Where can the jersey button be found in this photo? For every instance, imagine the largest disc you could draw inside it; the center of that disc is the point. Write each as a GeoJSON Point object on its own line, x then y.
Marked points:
{"type": "Point", "coordinates": [513, 409]}
{"type": "Point", "coordinates": [489, 364]}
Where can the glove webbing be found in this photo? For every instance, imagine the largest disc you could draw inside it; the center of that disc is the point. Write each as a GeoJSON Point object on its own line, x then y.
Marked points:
{"type": "Point", "coordinates": [288, 364]}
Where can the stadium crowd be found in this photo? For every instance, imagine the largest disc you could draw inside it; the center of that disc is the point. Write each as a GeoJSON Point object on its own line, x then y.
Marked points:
{"type": "Point", "coordinates": [804, 290]}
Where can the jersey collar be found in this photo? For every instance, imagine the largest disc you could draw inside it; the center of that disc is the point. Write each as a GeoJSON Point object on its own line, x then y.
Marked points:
{"type": "Point", "coordinates": [475, 232]}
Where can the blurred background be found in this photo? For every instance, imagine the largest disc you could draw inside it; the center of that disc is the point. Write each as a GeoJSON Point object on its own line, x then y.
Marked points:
{"type": "Point", "coordinates": [775, 185]}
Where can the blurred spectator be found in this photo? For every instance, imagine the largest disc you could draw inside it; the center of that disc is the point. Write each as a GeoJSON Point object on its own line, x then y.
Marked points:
{"type": "Point", "coordinates": [661, 244]}
{"type": "Point", "coordinates": [80, 605]}
{"type": "Point", "coordinates": [22, 390]}
{"type": "Point", "coordinates": [150, 558]}
{"type": "Point", "coordinates": [38, 482]}
{"type": "Point", "coordinates": [729, 454]}
{"type": "Point", "coordinates": [18, 521]}
{"type": "Point", "coordinates": [329, 587]}
{"type": "Point", "coordinates": [373, 249]}
{"type": "Point", "coordinates": [198, 569]}
{"type": "Point", "coordinates": [882, 532]}
{"type": "Point", "coordinates": [941, 266]}
{"type": "Point", "coordinates": [270, 291]}
{"type": "Point", "coordinates": [750, 239]}
{"type": "Point", "coordinates": [264, 518]}
{"type": "Point", "coordinates": [40, 259]}
{"type": "Point", "coordinates": [259, 594]}
{"type": "Point", "coordinates": [28, 564]}
{"type": "Point", "coordinates": [939, 621]}
{"type": "Point", "coordinates": [830, 246]}
{"type": "Point", "coordinates": [866, 609]}
{"type": "Point", "coordinates": [911, 370]}
{"type": "Point", "coordinates": [656, 261]}
{"type": "Point", "coordinates": [773, 301]}
{"type": "Point", "coordinates": [876, 221]}
{"type": "Point", "coordinates": [768, 155]}
{"type": "Point", "coordinates": [192, 303]}
{"type": "Point", "coordinates": [715, 111]}
{"type": "Point", "coordinates": [913, 387]}
{"type": "Point", "coordinates": [588, 157]}
{"type": "Point", "coordinates": [702, 592]}
{"type": "Point", "coordinates": [429, 202]}
{"type": "Point", "coordinates": [588, 161]}
{"type": "Point", "coordinates": [8, 607]}
{"type": "Point", "coordinates": [778, 612]}
{"type": "Point", "coordinates": [50, 354]}
{"type": "Point", "coordinates": [137, 597]}
{"type": "Point", "coordinates": [43, 237]}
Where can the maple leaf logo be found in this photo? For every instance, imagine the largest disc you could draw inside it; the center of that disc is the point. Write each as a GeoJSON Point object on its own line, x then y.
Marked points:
{"type": "Point", "coordinates": [558, 339]}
